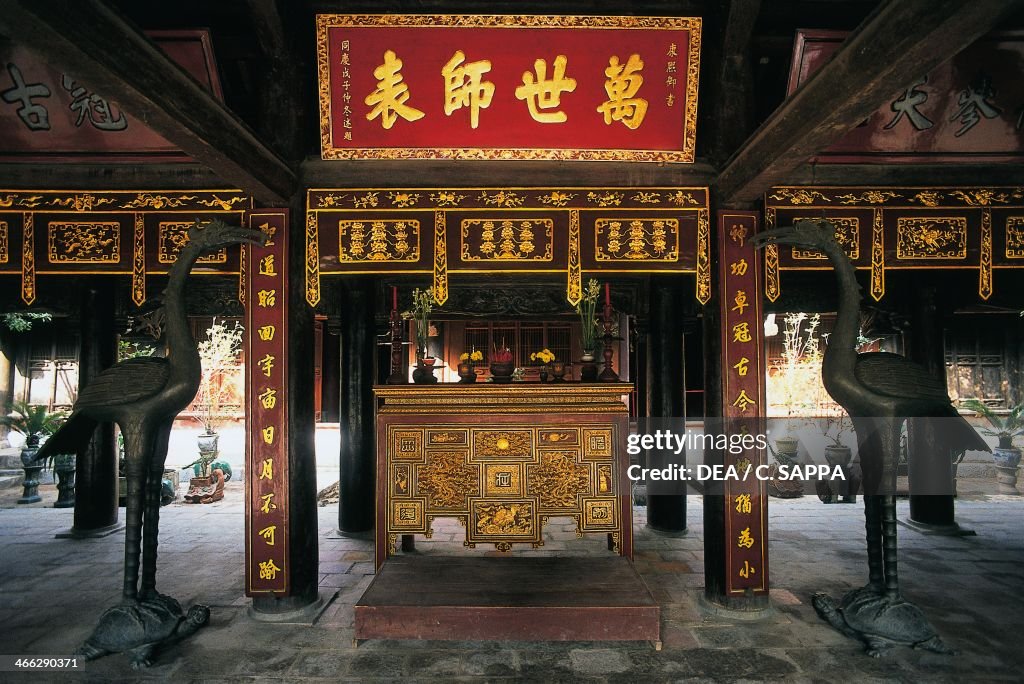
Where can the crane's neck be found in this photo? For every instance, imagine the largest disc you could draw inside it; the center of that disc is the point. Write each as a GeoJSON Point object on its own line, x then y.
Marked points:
{"type": "Point", "coordinates": [841, 353]}
{"type": "Point", "coordinates": [181, 346]}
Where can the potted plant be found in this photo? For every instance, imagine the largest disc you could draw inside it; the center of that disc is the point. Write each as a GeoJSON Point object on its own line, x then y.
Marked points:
{"type": "Point", "coordinates": [1004, 428]}
{"type": "Point", "coordinates": [836, 427]}
{"type": "Point", "coordinates": [34, 422]}
{"type": "Point", "coordinates": [219, 356]}
{"type": "Point", "coordinates": [545, 356]}
{"type": "Point", "coordinates": [422, 305]}
{"type": "Point", "coordinates": [587, 310]}
{"type": "Point", "coordinates": [467, 372]}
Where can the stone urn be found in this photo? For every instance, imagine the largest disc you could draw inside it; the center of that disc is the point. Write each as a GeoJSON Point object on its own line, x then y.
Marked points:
{"type": "Point", "coordinates": [64, 469]}
{"type": "Point", "coordinates": [30, 491]}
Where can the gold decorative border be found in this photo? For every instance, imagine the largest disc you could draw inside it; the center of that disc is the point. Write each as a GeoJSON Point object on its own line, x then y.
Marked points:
{"type": "Point", "coordinates": [28, 258]}
{"type": "Point", "coordinates": [772, 285]}
{"type": "Point", "coordinates": [118, 201]}
{"type": "Point", "coordinates": [703, 291]}
{"type": "Point", "coordinates": [691, 24]}
{"type": "Point", "coordinates": [5, 254]}
{"type": "Point", "coordinates": [312, 259]}
{"type": "Point", "coordinates": [243, 277]}
{"type": "Point", "coordinates": [139, 259]}
{"type": "Point", "coordinates": [877, 256]}
{"type": "Point", "coordinates": [907, 227]}
{"type": "Point", "coordinates": [52, 228]}
{"type": "Point", "coordinates": [440, 258]}
{"type": "Point", "coordinates": [574, 276]}
{"type": "Point", "coordinates": [985, 261]}
{"type": "Point", "coordinates": [547, 224]}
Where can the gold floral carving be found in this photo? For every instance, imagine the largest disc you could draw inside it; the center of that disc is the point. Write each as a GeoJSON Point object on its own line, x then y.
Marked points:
{"type": "Point", "coordinates": [446, 437]}
{"type": "Point", "coordinates": [981, 197]}
{"type": "Point", "coordinates": [222, 204]}
{"type": "Point", "coordinates": [147, 200]}
{"type": "Point", "coordinates": [868, 197]}
{"type": "Point", "coordinates": [447, 480]}
{"type": "Point", "coordinates": [608, 198]}
{"type": "Point", "coordinates": [243, 256]}
{"type": "Point", "coordinates": [501, 198]}
{"type": "Point", "coordinates": [644, 197]}
{"type": "Point", "coordinates": [1015, 237]}
{"type": "Point", "coordinates": [84, 243]}
{"type": "Point", "coordinates": [772, 286]}
{"type": "Point", "coordinates": [798, 196]}
{"type": "Point", "coordinates": [559, 437]}
{"type": "Point", "coordinates": [877, 256]}
{"type": "Point", "coordinates": [847, 234]}
{"type": "Point", "coordinates": [574, 277]}
{"type": "Point", "coordinates": [932, 237]}
{"type": "Point", "coordinates": [558, 480]}
{"type": "Point", "coordinates": [637, 239]}
{"type": "Point", "coordinates": [556, 198]}
{"type": "Point", "coordinates": [507, 445]}
{"type": "Point", "coordinates": [446, 198]}
{"type": "Point", "coordinates": [400, 481]}
{"type": "Point", "coordinates": [172, 236]}
{"type": "Point", "coordinates": [139, 259]}
{"type": "Point", "coordinates": [985, 256]}
{"type": "Point", "coordinates": [379, 241]}
{"type": "Point", "coordinates": [507, 239]}
{"type": "Point", "coordinates": [928, 198]}
{"type": "Point", "coordinates": [403, 200]}
{"type": "Point", "coordinates": [681, 198]}
{"type": "Point", "coordinates": [703, 256]}
{"type": "Point", "coordinates": [440, 258]}
{"type": "Point", "coordinates": [28, 258]}
{"type": "Point", "coordinates": [504, 519]}
{"type": "Point", "coordinates": [4, 244]}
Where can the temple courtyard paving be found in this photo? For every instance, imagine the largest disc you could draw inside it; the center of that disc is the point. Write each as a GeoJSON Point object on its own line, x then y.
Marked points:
{"type": "Point", "coordinates": [53, 590]}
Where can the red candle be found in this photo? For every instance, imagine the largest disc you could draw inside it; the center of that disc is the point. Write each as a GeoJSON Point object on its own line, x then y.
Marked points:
{"type": "Point", "coordinates": [394, 298]}
{"type": "Point", "coordinates": [607, 294]}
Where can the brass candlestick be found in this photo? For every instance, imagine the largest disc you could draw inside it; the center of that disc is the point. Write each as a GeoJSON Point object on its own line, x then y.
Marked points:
{"type": "Point", "coordinates": [608, 375]}
{"type": "Point", "coordinates": [398, 370]}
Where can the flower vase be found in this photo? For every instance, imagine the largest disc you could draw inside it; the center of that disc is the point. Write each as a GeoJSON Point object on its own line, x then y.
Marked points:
{"type": "Point", "coordinates": [466, 372]}
{"type": "Point", "coordinates": [1007, 461]}
{"type": "Point", "coordinates": [588, 369]}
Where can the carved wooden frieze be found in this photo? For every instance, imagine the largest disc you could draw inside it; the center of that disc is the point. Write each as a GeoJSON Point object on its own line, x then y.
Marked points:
{"type": "Point", "coordinates": [903, 227]}
{"type": "Point", "coordinates": [172, 236]}
{"type": "Point", "coordinates": [443, 233]}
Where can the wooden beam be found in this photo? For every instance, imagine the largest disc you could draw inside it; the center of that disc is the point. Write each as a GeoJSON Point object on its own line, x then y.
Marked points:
{"type": "Point", "coordinates": [973, 174]}
{"type": "Point", "coordinates": [901, 41]}
{"type": "Point", "coordinates": [417, 173]}
{"type": "Point", "coordinates": [730, 81]}
{"type": "Point", "coordinates": [89, 39]}
{"type": "Point", "coordinates": [162, 175]}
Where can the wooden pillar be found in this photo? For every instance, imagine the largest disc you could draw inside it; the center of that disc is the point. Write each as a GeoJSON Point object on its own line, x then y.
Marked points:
{"type": "Point", "coordinates": [6, 383]}
{"type": "Point", "coordinates": [736, 520]}
{"type": "Point", "coordinates": [665, 388]}
{"type": "Point", "coordinates": [929, 463]}
{"type": "Point", "coordinates": [96, 465]}
{"type": "Point", "coordinates": [282, 547]}
{"type": "Point", "coordinates": [358, 373]}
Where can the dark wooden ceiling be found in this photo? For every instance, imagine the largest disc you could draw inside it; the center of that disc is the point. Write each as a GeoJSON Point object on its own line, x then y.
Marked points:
{"type": "Point", "coordinates": [266, 52]}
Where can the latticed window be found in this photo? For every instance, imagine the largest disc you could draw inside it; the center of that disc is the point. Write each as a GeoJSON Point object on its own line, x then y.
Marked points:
{"type": "Point", "coordinates": [523, 339]}
{"type": "Point", "coordinates": [976, 360]}
{"type": "Point", "coordinates": [48, 373]}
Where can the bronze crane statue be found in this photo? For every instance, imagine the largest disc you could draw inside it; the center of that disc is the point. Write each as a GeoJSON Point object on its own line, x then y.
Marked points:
{"type": "Point", "coordinates": [143, 396]}
{"type": "Point", "coordinates": [879, 390]}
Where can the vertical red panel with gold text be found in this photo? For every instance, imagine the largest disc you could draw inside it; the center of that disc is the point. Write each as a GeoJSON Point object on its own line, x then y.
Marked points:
{"type": "Point", "coordinates": [266, 372]}
{"type": "Point", "coordinates": [746, 506]}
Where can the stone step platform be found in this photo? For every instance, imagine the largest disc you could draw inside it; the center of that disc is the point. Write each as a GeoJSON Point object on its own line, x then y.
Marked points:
{"type": "Point", "coordinates": [515, 598]}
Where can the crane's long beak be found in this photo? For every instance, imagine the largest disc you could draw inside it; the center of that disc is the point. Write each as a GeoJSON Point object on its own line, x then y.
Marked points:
{"type": "Point", "coordinates": [780, 236]}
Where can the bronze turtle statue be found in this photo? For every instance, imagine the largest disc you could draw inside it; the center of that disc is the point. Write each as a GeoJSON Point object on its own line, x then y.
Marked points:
{"type": "Point", "coordinates": [880, 621]}
{"type": "Point", "coordinates": [140, 627]}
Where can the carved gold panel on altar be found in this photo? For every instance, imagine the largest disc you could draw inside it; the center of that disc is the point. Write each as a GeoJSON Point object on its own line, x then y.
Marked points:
{"type": "Point", "coordinates": [172, 236]}
{"type": "Point", "coordinates": [636, 239]}
{"type": "Point", "coordinates": [942, 237]}
{"type": "Point", "coordinates": [84, 243]}
{"type": "Point", "coordinates": [472, 455]}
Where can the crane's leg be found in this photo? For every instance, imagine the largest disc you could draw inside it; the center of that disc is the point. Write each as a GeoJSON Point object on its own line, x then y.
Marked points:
{"type": "Point", "coordinates": [151, 525]}
{"type": "Point", "coordinates": [892, 585]}
{"type": "Point", "coordinates": [873, 527]}
{"type": "Point", "coordinates": [137, 447]}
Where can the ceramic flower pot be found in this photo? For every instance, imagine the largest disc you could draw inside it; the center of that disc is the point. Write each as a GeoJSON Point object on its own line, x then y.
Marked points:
{"type": "Point", "coordinates": [466, 372]}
